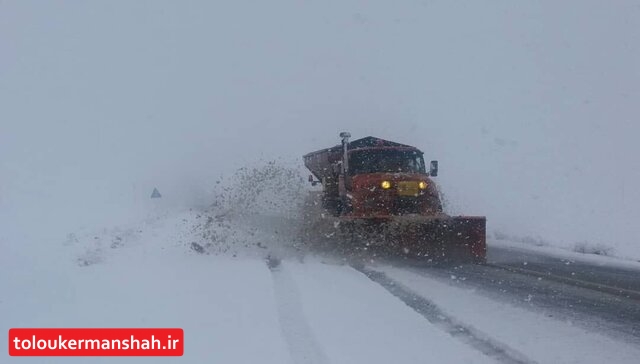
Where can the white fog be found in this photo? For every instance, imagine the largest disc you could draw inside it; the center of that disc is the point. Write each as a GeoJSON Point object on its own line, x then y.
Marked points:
{"type": "Point", "coordinates": [531, 109]}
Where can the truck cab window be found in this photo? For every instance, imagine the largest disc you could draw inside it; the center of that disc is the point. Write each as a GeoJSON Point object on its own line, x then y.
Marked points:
{"type": "Point", "coordinates": [385, 161]}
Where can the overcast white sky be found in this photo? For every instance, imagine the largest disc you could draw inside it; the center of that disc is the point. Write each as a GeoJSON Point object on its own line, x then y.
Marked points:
{"type": "Point", "coordinates": [531, 107]}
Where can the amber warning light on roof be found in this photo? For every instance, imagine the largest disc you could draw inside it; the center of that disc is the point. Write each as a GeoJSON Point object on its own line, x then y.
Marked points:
{"type": "Point", "coordinates": [96, 342]}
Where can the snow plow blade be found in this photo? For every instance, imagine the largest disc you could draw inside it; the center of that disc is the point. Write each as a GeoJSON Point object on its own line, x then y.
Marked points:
{"type": "Point", "coordinates": [442, 238]}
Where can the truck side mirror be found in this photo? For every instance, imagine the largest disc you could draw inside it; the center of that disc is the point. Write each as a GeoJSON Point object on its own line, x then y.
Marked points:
{"type": "Point", "coordinates": [310, 178]}
{"type": "Point", "coordinates": [433, 169]}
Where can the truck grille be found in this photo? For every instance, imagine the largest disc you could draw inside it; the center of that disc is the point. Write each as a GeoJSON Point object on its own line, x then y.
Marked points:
{"type": "Point", "coordinates": [408, 188]}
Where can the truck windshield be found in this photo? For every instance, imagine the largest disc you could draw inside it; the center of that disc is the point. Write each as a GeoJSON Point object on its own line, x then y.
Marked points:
{"type": "Point", "coordinates": [385, 161]}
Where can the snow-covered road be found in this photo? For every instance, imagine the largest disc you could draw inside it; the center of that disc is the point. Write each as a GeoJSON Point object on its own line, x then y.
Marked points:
{"type": "Point", "coordinates": [236, 305]}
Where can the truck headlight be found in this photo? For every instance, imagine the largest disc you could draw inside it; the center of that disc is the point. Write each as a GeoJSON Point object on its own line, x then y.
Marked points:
{"type": "Point", "coordinates": [422, 185]}
{"type": "Point", "coordinates": [385, 185]}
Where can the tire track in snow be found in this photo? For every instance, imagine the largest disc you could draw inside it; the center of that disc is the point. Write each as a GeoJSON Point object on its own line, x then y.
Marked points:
{"type": "Point", "coordinates": [429, 310]}
{"type": "Point", "coordinates": [302, 343]}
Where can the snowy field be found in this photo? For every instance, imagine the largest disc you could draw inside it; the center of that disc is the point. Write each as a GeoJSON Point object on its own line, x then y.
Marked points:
{"type": "Point", "coordinates": [236, 305]}
{"type": "Point", "coordinates": [530, 108]}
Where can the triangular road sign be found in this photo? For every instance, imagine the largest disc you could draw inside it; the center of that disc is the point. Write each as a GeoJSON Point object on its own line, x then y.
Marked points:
{"type": "Point", "coordinates": [155, 193]}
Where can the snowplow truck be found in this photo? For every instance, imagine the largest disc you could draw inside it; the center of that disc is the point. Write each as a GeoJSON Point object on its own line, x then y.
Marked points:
{"type": "Point", "coordinates": [383, 195]}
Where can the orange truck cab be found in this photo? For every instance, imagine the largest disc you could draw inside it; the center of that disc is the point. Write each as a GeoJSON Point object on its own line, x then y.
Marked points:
{"type": "Point", "coordinates": [374, 178]}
